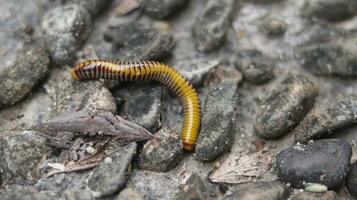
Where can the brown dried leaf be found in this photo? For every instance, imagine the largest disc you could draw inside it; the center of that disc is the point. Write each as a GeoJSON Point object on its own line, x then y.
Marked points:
{"type": "Point", "coordinates": [242, 168]}
{"type": "Point", "coordinates": [125, 6]}
{"type": "Point", "coordinates": [101, 122]}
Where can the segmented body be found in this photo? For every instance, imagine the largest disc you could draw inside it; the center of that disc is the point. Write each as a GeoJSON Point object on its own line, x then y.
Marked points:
{"type": "Point", "coordinates": [149, 70]}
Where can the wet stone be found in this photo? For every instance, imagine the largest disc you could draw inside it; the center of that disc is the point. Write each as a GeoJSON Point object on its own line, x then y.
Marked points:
{"type": "Point", "coordinates": [18, 79]}
{"type": "Point", "coordinates": [329, 195]}
{"type": "Point", "coordinates": [324, 119]}
{"type": "Point", "coordinates": [329, 59]}
{"type": "Point", "coordinates": [17, 192]}
{"type": "Point", "coordinates": [352, 180]}
{"type": "Point", "coordinates": [22, 154]}
{"type": "Point", "coordinates": [161, 154]}
{"type": "Point", "coordinates": [285, 106]}
{"type": "Point", "coordinates": [210, 28]}
{"type": "Point", "coordinates": [78, 195]}
{"type": "Point", "coordinates": [93, 6]}
{"type": "Point", "coordinates": [142, 105]}
{"type": "Point", "coordinates": [219, 110]}
{"type": "Point", "coordinates": [260, 190]}
{"type": "Point", "coordinates": [138, 41]}
{"type": "Point", "coordinates": [162, 9]}
{"type": "Point", "coordinates": [65, 29]}
{"type": "Point", "coordinates": [129, 193]}
{"type": "Point", "coordinates": [256, 67]}
{"type": "Point", "coordinates": [324, 161]}
{"type": "Point", "coordinates": [112, 173]}
{"type": "Point", "coordinates": [329, 10]}
{"type": "Point", "coordinates": [273, 27]}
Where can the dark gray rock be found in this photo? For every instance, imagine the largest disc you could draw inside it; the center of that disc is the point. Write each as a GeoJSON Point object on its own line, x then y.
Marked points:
{"type": "Point", "coordinates": [273, 27]}
{"type": "Point", "coordinates": [142, 105]}
{"type": "Point", "coordinates": [193, 189]}
{"type": "Point", "coordinates": [111, 175]}
{"type": "Point", "coordinates": [285, 106]}
{"type": "Point", "coordinates": [93, 6]}
{"type": "Point", "coordinates": [64, 31]}
{"type": "Point", "coordinates": [129, 193]}
{"type": "Point", "coordinates": [218, 118]}
{"type": "Point", "coordinates": [352, 180]}
{"type": "Point", "coordinates": [211, 26]}
{"type": "Point", "coordinates": [324, 119]}
{"type": "Point", "coordinates": [162, 154]}
{"type": "Point", "coordinates": [329, 59]}
{"type": "Point", "coordinates": [260, 190]}
{"type": "Point", "coordinates": [17, 192]}
{"type": "Point", "coordinates": [329, 195]}
{"type": "Point", "coordinates": [329, 10]}
{"type": "Point", "coordinates": [256, 67]}
{"type": "Point", "coordinates": [22, 154]}
{"type": "Point", "coordinates": [162, 9]}
{"type": "Point", "coordinates": [78, 195]}
{"type": "Point", "coordinates": [18, 79]}
{"type": "Point", "coordinates": [323, 161]}
{"type": "Point", "coordinates": [137, 41]}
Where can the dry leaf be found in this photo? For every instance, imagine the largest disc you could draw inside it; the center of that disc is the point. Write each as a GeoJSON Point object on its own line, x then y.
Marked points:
{"type": "Point", "coordinates": [242, 168]}
{"type": "Point", "coordinates": [126, 6]}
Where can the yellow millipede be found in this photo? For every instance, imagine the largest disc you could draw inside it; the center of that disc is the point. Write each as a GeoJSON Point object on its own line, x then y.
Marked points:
{"type": "Point", "coordinates": [149, 70]}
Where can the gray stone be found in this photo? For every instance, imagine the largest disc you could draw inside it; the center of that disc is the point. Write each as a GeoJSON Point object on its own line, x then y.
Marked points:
{"type": "Point", "coordinates": [111, 175]}
{"type": "Point", "coordinates": [162, 9]}
{"type": "Point", "coordinates": [352, 180]}
{"type": "Point", "coordinates": [260, 190]}
{"type": "Point", "coordinates": [93, 6]}
{"type": "Point", "coordinates": [138, 41]}
{"type": "Point", "coordinates": [17, 192]}
{"type": "Point", "coordinates": [324, 119]}
{"type": "Point", "coordinates": [273, 27]}
{"type": "Point", "coordinates": [142, 105]}
{"type": "Point", "coordinates": [78, 195]}
{"type": "Point", "coordinates": [256, 67]}
{"type": "Point", "coordinates": [218, 118]}
{"type": "Point", "coordinates": [211, 26]}
{"type": "Point", "coordinates": [329, 10]}
{"type": "Point", "coordinates": [285, 106]}
{"type": "Point", "coordinates": [64, 31]}
{"type": "Point", "coordinates": [323, 161]}
{"type": "Point", "coordinates": [129, 193]}
{"type": "Point", "coordinates": [22, 154]}
{"type": "Point", "coordinates": [18, 79]}
{"type": "Point", "coordinates": [194, 188]}
{"type": "Point", "coordinates": [329, 195]}
{"type": "Point", "coordinates": [162, 154]}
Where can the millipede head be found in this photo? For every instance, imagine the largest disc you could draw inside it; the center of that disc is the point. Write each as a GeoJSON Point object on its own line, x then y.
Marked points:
{"type": "Point", "coordinates": [188, 146]}
{"type": "Point", "coordinates": [74, 75]}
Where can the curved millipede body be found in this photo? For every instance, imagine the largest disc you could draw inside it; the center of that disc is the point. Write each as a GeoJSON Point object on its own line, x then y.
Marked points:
{"type": "Point", "coordinates": [149, 70]}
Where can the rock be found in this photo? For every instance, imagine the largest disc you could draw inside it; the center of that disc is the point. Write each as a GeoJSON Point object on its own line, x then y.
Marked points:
{"type": "Point", "coordinates": [259, 190]}
{"type": "Point", "coordinates": [17, 192]}
{"type": "Point", "coordinates": [93, 6]}
{"type": "Point", "coordinates": [329, 10]}
{"type": "Point", "coordinates": [255, 66]}
{"type": "Point", "coordinates": [163, 154]}
{"type": "Point", "coordinates": [352, 180]}
{"type": "Point", "coordinates": [162, 9]}
{"type": "Point", "coordinates": [22, 155]}
{"type": "Point", "coordinates": [195, 69]}
{"type": "Point", "coordinates": [111, 174]}
{"type": "Point", "coordinates": [323, 161]}
{"type": "Point", "coordinates": [218, 118]}
{"type": "Point", "coordinates": [65, 30]}
{"type": "Point", "coordinates": [324, 119]}
{"type": "Point", "coordinates": [78, 195]}
{"type": "Point", "coordinates": [273, 27]}
{"type": "Point", "coordinates": [142, 105]}
{"type": "Point", "coordinates": [137, 41]}
{"type": "Point", "coordinates": [285, 106]}
{"type": "Point", "coordinates": [328, 59]}
{"type": "Point", "coordinates": [211, 26]}
{"type": "Point", "coordinates": [329, 195]}
{"type": "Point", "coordinates": [194, 188]}
{"type": "Point", "coordinates": [129, 193]}
{"type": "Point", "coordinates": [18, 79]}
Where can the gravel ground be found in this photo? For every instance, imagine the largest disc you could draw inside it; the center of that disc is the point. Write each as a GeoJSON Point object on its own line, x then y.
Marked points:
{"type": "Point", "coordinates": [276, 80]}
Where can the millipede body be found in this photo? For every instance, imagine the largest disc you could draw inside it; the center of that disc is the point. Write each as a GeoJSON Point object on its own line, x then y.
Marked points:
{"type": "Point", "coordinates": [149, 70]}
